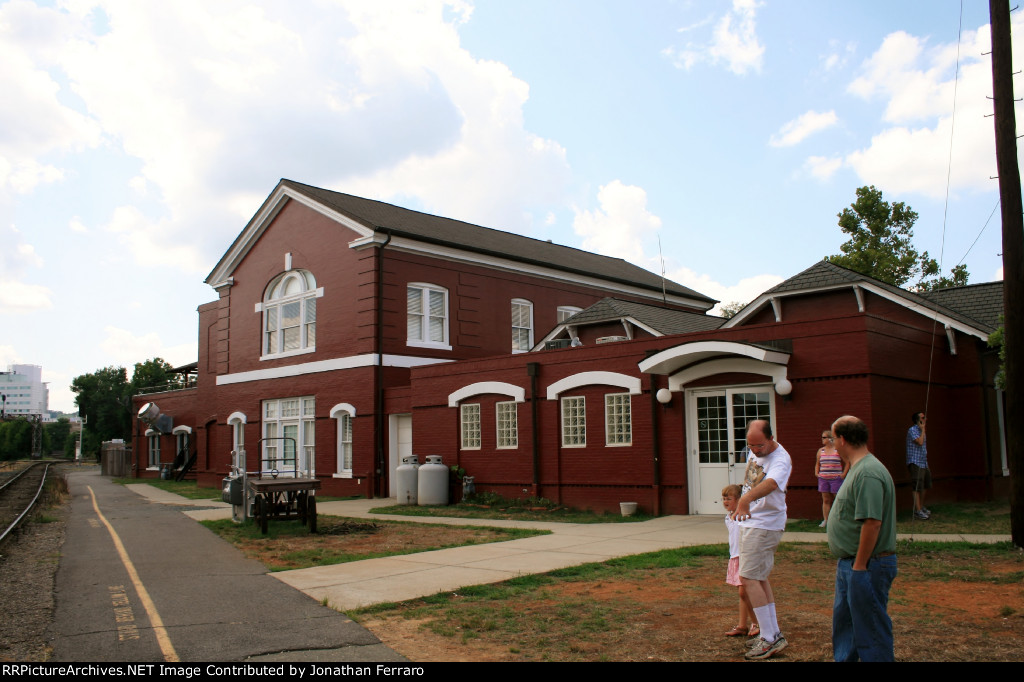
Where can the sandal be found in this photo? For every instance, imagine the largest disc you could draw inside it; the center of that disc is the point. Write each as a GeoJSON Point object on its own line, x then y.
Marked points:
{"type": "Point", "coordinates": [736, 631]}
{"type": "Point", "coordinates": [755, 630]}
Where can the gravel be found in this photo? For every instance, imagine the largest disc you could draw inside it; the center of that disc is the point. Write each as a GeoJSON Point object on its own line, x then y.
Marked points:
{"type": "Point", "coordinates": [28, 569]}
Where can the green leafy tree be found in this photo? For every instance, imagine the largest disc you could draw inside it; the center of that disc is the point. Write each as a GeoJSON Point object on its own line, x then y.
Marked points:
{"type": "Point", "coordinates": [104, 398]}
{"type": "Point", "coordinates": [995, 340]}
{"type": "Point", "coordinates": [152, 374]}
{"type": "Point", "coordinates": [880, 244]}
{"type": "Point", "coordinates": [15, 438]}
{"type": "Point", "coordinates": [729, 310]}
{"type": "Point", "coordinates": [58, 433]}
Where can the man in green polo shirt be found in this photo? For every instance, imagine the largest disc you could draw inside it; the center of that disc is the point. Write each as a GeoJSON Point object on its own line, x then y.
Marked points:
{"type": "Point", "coordinates": [862, 534]}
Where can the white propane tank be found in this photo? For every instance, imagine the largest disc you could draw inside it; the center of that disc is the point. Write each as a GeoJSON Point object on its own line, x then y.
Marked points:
{"type": "Point", "coordinates": [433, 487]}
{"type": "Point", "coordinates": [406, 476]}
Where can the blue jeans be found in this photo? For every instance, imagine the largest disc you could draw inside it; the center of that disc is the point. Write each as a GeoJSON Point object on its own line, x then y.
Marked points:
{"type": "Point", "coordinates": [861, 627]}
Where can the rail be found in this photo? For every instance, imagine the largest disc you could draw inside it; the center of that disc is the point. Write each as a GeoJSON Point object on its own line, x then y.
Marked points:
{"type": "Point", "coordinates": [16, 491]}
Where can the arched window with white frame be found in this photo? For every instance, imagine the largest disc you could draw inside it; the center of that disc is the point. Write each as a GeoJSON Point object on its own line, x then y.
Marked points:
{"type": "Point", "coordinates": [289, 314]}
{"type": "Point", "coordinates": [344, 414]}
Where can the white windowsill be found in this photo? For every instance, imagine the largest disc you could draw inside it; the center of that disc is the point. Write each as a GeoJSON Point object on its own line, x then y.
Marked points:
{"type": "Point", "coordinates": [288, 354]}
{"type": "Point", "coordinates": [343, 474]}
{"type": "Point", "coordinates": [427, 344]}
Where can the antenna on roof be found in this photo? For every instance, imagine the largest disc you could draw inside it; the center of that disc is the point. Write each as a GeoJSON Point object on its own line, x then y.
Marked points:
{"type": "Point", "coordinates": [664, 298]}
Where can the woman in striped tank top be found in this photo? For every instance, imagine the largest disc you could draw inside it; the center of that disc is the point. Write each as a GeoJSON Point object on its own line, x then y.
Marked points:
{"type": "Point", "coordinates": [829, 469]}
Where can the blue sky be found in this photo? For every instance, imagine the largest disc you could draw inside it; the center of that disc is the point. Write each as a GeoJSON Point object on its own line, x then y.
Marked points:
{"type": "Point", "coordinates": [137, 138]}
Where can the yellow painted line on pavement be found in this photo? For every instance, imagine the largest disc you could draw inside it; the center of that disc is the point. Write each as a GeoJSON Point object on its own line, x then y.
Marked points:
{"type": "Point", "coordinates": [162, 638]}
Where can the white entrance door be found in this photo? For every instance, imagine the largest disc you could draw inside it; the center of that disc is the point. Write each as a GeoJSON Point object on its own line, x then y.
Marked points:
{"type": "Point", "coordinates": [401, 446]}
{"type": "Point", "coordinates": [717, 437]}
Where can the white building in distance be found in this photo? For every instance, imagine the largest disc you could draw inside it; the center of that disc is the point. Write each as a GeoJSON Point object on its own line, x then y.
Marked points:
{"type": "Point", "coordinates": [22, 391]}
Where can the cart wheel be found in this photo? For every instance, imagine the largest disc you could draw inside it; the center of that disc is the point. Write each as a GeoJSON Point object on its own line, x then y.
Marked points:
{"type": "Point", "coordinates": [262, 511]}
{"type": "Point", "coordinates": [311, 512]}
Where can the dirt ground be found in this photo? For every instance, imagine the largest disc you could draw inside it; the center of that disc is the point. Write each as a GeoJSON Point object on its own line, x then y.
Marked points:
{"type": "Point", "coordinates": [680, 614]}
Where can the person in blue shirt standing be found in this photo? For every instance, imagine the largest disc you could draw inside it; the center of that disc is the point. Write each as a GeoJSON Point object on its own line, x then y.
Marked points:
{"type": "Point", "coordinates": [917, 463]}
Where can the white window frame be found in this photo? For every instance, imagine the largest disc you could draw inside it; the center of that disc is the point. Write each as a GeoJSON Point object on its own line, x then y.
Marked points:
{"type": "Point", "coordinates": [618, 419]}
{"type": "Point", "coordinates": [506, 423]}
{"type": "Point", "coordinates": [423, 339]}
{"type": "Point", "coordinates": [345, 415]}
{"type": "Point", "coordinates": [566, 311]}
{"type": "Point", "coordinates": [574, 421]}
{"type": "Point", "coordinates": [521, 308]}
{"type": "Point", "coordinates": [272, 341]}
{"type": "Point", "coordinates": [278, 413]}
{"type": "Point", "coordinates": [154, 449]}
{"type": "Point", "coordinates": [237, 423]}
{"type": "Point", "coordinates": [469, 426]}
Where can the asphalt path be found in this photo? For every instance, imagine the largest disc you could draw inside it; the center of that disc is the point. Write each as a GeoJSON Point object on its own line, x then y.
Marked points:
{"type": "Point", "coordinates": [141, 582]}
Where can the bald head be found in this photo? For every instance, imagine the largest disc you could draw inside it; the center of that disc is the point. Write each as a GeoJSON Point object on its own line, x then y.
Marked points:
{"type": "Point", "coordinates": [851, 429]}
{"type": "Point", "coordinates": [759, 426]}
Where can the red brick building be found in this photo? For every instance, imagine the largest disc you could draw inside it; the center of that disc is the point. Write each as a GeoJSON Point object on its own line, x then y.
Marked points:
{"type": "Point", "coordinates": [349, 333]}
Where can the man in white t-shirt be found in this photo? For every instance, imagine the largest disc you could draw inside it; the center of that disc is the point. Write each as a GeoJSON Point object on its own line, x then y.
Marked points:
{"type": "Point", "coordinates": [761, 512]}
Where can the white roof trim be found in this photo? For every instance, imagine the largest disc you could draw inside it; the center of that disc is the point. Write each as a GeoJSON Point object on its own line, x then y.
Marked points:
{"type": "Point", "coordinates": [341, 408]}
{"type": "Point", "coordinates": [631, 384]}
{"type": "Point", "coordinates": [499, 387]}
{"type": "Point", "coordinates": [673, 359]}
{"type": "Point", "coordinates": [922, 310]}
{"type": "Point", "coordinates": [678, 381]}
{"type": "Point", "coordinates": [349, 362]}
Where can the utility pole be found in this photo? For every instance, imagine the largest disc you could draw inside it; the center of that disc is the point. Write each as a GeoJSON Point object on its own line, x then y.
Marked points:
{"type": "Point", "coordinates": [1013, 255]}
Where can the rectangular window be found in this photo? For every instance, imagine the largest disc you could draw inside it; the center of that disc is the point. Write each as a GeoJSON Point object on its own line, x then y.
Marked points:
{"type": "Point", "coordinates": [574, 422]}
{"type": "Point", "coordinates": [427, 315]}
{"type": "Point", "coordinates": [508, 426]}
{"type": "Point", "coordinates": [617, 419]}
{"type": "Point", "coordinates": [470, 418]}
{"type": "Point", "coordinates": [345, 444]}
{"type": "Point", "coordinates": [522, 326]}
{"type": "Point", "coordinates": [289, 436]}
{"type": "Point", "coordinates": [566, 311]}
{"type": "Point", "coordinates": [154, 452]}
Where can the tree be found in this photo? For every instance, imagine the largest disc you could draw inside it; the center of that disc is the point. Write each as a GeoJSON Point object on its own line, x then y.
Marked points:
{"type": "Point", "coordinates": [58, 432]}
{"type": "Point", "coordinates": [152, 374]}
{"type": "Point", "coordinates": [880, 244]}
{"type": "Point", "coordinates": [104, 398]}
{"type": "Point", "coordinates": [729, 310]}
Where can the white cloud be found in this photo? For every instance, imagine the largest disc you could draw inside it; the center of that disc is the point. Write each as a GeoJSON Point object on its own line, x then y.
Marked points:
{"type": "Point", "coordinates": [153, 244]}
{"type": "Point", "coordinates": [18, 297]}
{"type": "Point", "coordinates": [998, 276]}
{"type": "Point", "coordinates": [917, 84]}
{"type": "Point", "coordinates": [76, 225]}
{"type": "Point", "coordinates": [744, 291]}
{"type": "Point", "coordinates": [125, 348]}
{"type": "Point", "coordinates": [9, 356]}
{"type": "Point", "coordinates": [33, 120]}
{"type": "Point", "coordinates": [216, 101]}
{"type": "Point", "coordinates": [823, 168]}
{"type": "Point", "coordinates": [803, 126]}
{"type": "Point", "coordinates": [622, 224]}
{"type": "Point", "coordinates": [733, 42]}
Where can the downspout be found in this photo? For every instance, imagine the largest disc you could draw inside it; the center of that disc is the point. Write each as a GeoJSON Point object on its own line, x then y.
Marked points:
{"type": "Point", "coordinates": [655, 446]}
{"type": "Point", "coordinates": [377, 471]}
{"type": "Point", "coordinates": [532, 370]}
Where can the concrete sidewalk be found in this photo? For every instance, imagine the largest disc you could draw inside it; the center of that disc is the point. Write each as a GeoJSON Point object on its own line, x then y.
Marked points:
{"type": "Point", "coordinates": [373, 581]}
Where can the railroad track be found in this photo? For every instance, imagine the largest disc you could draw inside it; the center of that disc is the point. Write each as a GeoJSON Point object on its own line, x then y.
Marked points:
{"type": "Point", "coordinates": [19, 494]}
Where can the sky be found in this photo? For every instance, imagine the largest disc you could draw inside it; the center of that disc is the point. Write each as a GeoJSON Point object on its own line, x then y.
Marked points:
{"type": "Point", "coordinates": [137, 139]}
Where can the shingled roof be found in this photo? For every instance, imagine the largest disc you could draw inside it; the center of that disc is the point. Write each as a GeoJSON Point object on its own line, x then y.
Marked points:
{"type": "Point", "coordinates": [981, 302]}
{"type": "Point", "coordinates": [424, 227]}
{"type": "Point", "coordinates": [977, 306]}
{"type": "Point", "coordinates": [663, 320]}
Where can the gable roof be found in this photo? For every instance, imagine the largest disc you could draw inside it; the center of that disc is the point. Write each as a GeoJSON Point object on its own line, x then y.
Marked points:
{"type": "Point", "coordinates": [368, 217]}
{"type": "Point", "coordinates": [972, 309]}
{"type": "Point", "coordinates": [660, 319]}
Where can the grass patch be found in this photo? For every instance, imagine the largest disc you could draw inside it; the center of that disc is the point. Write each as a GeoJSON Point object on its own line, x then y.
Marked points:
{"type": "Point", "coordinates": [672, 605]}
{"type": "Point", "coordinates": [289, 545]}
{"type": "Point", "coordinates": [985, 518]}
{"type": "Point", "coordinates": [187, 489]}
{"type": "Point", "coordinates": [493, 506]}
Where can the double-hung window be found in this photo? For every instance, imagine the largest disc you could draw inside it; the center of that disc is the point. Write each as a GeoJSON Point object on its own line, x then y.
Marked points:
{"type": "Point", "coordinates": [618, 424]}
{"type": "Point", "coordinates": [427, 315]}
{"type": "Point", "coordinates": [289, 314]}
{"type": "Point", "coordinates": [574, 422]}
{"type": "Point", "coordinates": [522, 325]}
{"type": "Point", "coordinates": [154, 450]}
